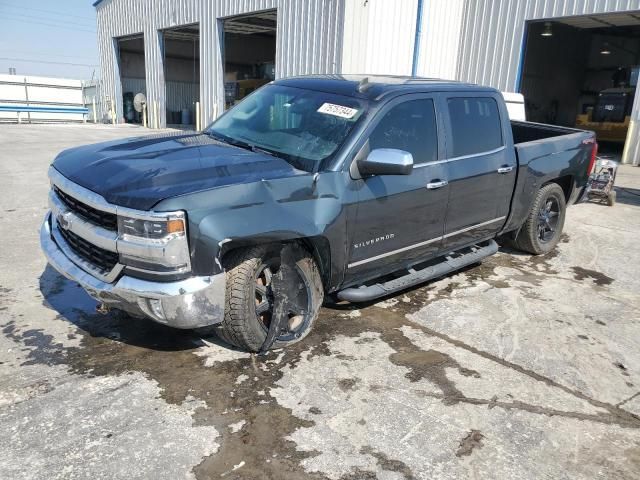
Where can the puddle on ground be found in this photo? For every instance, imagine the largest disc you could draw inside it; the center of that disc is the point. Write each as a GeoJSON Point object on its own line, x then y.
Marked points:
{"type": "Point", "coordinates": [469, 443]}
{"type": "Point", "coordinates": [599, 278]}
{"type": "Point", "coordinates": [430, 365]}
{"type": "Point", "coordinates": [346, 384]}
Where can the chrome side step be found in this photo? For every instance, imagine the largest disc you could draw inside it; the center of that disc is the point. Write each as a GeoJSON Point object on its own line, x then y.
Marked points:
{"type": "Point", "coordinates": [415, 275]}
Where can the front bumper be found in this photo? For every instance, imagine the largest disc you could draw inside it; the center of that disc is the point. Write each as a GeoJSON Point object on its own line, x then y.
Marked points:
{"type": "Point", "coordinates": [189, 303]}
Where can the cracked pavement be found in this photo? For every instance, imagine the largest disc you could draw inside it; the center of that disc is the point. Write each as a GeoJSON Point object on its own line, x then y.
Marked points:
{"type": "Point", "coordinates": [521, 367]}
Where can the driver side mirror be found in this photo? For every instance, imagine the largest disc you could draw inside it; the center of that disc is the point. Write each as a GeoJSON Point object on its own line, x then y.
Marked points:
{"type": "Point", "coordinates": [386, 161]}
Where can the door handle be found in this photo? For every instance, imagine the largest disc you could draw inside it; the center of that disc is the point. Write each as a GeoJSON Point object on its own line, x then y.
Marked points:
{"type": "Point", "coordinates": [436, 184]}
{"type": "Point", "coordinates": [505, 169]}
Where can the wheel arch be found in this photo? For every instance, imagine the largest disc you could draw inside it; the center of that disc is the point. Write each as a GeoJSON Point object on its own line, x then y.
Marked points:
{"type": "Point", "coordinates": [527, 239]}
{"type": "Point", "coordinates": [317, 246]}
{"type": "Point", "coordinates": [566, 184]}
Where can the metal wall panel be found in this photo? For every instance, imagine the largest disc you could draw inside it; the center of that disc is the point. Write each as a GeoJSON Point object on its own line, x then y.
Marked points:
{"type": "Point", "coordinates": [309, 40]}
{"type": "Point", "coordinates": [493, 34]}
{"type": "Point", "coordinates": [181, 95]}
{"type": "Point", "coordinates": [440, 39]}
{"type": "Point", "coordinates": [134, 85]}
{"type": "Point", "coordinates": [379, 36]}
{"type": "Point", "coordinates": [355, 37]}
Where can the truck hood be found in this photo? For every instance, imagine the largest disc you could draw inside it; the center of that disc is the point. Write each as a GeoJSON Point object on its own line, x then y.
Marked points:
{"type": "Point", "coordinates": [140, 172]}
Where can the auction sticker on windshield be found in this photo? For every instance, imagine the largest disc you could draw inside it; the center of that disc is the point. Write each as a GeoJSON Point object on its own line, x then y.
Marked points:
{"type": "Point", "coordinates": [338, 110]}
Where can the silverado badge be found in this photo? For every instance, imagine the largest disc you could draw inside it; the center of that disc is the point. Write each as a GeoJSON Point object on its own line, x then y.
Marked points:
{"type": "Point", "coordinates": [372, 241]}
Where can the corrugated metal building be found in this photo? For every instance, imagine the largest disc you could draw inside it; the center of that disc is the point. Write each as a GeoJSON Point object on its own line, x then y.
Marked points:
{"type": "Point", "coordinates": [482, 41]}
{"type": "Point", "coordinates": [493, 34]}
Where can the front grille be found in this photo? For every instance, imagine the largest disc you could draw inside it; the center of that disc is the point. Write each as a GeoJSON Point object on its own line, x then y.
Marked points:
{"type": "Point", "coordinates": [103, 219]}
{"type": "Point", "coordinates": [101, 258]}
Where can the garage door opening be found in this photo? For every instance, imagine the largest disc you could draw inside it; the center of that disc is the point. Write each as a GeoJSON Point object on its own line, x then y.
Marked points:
{"type": "Point", "coordinates": [583, 72]}
{"type": "Point", "coordinates": [132, 75]}
{"type": "Point", "coordinates": [249, 53]}
{"type": "Point", "coordinates": [182, 75]}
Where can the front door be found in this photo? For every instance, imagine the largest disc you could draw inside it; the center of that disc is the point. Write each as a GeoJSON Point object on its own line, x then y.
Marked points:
{"type": "Point", "coordinates": [398, 219]}
{"type": "Point", "coordinates": [480, 168]}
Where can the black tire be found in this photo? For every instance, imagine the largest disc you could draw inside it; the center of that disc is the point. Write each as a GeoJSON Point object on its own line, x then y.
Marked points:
{"type": "Point", "coordinates": [541, 232]}
{"type": "Point", "coordinates": [246, 270]}
{"type": "Point", "coordinates": [611, 198]}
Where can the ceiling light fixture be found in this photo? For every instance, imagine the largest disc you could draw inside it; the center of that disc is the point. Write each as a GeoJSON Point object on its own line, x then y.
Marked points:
{"type": "Point", "coordinates": [547, 32]}
{"type": "Point", "coordinates": [605, 50]}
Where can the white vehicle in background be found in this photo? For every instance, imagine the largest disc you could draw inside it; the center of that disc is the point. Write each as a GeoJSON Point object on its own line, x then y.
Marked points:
{"type": "Point", "coordinates": [515, 105]}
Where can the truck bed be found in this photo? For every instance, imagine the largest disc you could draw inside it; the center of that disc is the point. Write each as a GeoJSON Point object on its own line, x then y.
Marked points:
{"type": "Point", "coordinates": [524, 132]}
{"type": "Point", "coordinates": [544, 153]}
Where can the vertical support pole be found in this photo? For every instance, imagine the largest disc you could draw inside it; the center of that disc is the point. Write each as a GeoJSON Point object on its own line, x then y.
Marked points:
{"type": "Point", "coordinates": [631, 151]}
{"type": "Point", "coordinates": [113, 114]}
{"type": "Point", "coordinates": [84, 102]}
{"type": "Point", "coordinates": [95, 118]}
{"type": "Point", "coordinates": [417, 40]}
{"type": "Point", "coordinates": [144, 115]}
{"type": "Point", "coordinates": [154, 115]}
{"type": "Point", "coordinates": [26, 96]}
{"type": "Point", "coordinates": [523, 54]}
{"type": "Point", "coordinates": [19, 118]}
{"type": "Point", "coordinates": [198, 117]}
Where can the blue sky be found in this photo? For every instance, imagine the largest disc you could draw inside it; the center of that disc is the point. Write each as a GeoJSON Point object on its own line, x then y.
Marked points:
{"type": "Point", "coordinates": [49, 38]}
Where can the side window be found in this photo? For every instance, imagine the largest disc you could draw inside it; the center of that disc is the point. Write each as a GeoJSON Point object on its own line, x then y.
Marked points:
{"type": "Point", "coordinates": [475, 125]}
{"type": "Point", "coordinates": [409, 126]}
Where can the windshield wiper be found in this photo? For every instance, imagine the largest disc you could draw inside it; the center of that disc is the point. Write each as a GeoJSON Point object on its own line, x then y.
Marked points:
{"type": "Point", "coordinates": [255, 148]}
{"type": "Point", "coordinates": [228, 140]}
{"type": "Point", "coordinates": [241, 144]}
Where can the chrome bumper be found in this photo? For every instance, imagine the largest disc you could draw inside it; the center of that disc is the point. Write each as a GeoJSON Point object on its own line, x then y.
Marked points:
{"type": "Point", "coordinates": [190, 303]}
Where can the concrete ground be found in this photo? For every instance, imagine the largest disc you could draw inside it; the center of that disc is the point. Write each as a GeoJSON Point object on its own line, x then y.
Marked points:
{"type": "Point", "coordinates": [520, 368]}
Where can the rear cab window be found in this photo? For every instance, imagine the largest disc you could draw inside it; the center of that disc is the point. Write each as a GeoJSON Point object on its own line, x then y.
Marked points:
{"type": "Point", "coordinates": [475, 125]}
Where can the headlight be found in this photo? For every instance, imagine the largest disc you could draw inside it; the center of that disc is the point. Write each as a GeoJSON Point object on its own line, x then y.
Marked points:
{"type": "Point", "coordinates": [153, 242]}
{"type": "Point", "coordinates": [159, 228]}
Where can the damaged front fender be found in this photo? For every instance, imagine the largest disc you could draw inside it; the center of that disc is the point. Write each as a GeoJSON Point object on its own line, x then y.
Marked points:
{"type": "Point", "coordinates": [303, 207]}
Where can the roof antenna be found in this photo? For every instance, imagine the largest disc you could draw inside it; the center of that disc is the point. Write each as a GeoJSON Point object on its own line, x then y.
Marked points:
{"type": "Point", "coordinates": [364, 85]}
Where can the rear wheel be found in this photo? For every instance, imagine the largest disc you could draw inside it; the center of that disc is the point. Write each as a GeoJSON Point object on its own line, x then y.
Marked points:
{"type": "Point", "coordinates": [250, 300]}
{"type": "Point", "coordinates": [542, 229]}
{"type": "Point", "coordinates": [611, 198]}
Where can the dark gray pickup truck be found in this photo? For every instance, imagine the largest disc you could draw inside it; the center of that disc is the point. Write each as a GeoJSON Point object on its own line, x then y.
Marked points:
{"type": "Point", "coordinates": [355, 187]}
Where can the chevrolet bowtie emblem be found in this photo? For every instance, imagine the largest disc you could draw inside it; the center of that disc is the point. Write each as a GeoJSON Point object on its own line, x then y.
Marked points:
{"type": "Point", "coordinates": [64, 220]}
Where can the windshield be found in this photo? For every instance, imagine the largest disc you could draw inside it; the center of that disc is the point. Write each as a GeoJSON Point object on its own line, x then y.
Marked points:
{"type": "Point", "coordinates": [303, 127]}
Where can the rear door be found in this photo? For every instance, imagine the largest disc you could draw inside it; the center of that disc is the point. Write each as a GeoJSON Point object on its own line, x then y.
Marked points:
{"type": "Point", "coordinates": [399, 218]}
{"type": "Point", "coordinates": [480, 168]}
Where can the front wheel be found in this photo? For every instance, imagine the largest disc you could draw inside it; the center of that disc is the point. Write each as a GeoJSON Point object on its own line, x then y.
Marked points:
{"type": "Point", "coordinates": [250, 298]}
{"type": "Point", "coordinates": [542, 229]}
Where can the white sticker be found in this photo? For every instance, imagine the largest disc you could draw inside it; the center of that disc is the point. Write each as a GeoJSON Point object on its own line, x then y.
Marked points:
{"type": "Point", "coordinates": [338, 110]}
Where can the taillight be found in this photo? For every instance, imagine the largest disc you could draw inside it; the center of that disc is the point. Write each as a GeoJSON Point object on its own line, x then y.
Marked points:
{"type": "Point", "coordinates": [594, 153]}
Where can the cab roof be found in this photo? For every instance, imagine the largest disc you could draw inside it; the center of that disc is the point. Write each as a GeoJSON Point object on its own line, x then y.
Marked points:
{"type": "Point", "coordinates": [375, 87]}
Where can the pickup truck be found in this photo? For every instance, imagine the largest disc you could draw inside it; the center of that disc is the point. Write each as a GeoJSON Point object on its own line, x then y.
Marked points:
{"type": "Point", "coordinates": [352, 187]}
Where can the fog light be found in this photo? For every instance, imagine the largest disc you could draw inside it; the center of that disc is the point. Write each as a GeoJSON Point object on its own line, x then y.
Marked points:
{"type": "Point", "coordinates": [155, 307]}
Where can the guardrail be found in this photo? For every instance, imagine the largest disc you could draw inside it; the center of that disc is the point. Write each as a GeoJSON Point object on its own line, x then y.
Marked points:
{"type": "Point", "coordinates": [22, 109]}
{"type": "Point", "coordinates": [46, 99]}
